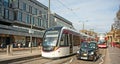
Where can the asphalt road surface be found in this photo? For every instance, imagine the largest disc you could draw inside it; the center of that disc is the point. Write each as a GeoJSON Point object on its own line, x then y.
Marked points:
{"type": "Point", "coordinates": [67, 60]}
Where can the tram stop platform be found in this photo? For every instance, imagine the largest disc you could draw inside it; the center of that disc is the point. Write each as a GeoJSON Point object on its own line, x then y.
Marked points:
{"type": "Point", "coordinates": [18, 55]}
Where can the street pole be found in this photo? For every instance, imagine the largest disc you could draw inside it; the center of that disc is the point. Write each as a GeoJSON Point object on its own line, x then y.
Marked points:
{"type": "Point", "coordinates": [48, 14]}
{"type": "Point", "coordinates": [31, 39]}
{"type": "Point", "coordinates": [8, 49]}
{"type": "Point", "coordinates": [83, 26]}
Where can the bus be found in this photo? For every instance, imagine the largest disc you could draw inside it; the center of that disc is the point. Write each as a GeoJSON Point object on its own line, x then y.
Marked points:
{"type": "Point", "coordinates": [102, 43]}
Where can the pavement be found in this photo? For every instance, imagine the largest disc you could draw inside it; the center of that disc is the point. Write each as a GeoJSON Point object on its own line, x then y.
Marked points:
{"type": "Point", "coordinates": [112, 55]}
{"type": "Point", "coordinates": [19, 55]}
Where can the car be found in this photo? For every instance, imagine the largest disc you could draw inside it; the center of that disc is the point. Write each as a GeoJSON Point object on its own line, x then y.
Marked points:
{"type": "Point", "coordinates": [88, 51]}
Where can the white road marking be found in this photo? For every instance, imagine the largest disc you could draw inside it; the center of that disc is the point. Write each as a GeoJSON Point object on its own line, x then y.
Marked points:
{"type": "Point", "coordinates": [69, 61]}
{"type": "Point", "coordinates": [102, 59]}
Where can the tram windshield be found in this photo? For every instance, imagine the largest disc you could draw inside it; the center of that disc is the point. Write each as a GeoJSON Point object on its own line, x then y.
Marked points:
{"type": "Point", "coordinates": [50, 38]}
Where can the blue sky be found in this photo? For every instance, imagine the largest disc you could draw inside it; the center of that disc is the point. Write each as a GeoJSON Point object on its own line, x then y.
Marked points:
{"type": "Point", "coordinates": [96, 14]}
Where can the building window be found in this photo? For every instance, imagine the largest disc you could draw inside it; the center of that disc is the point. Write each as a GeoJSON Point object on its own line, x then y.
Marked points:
{"type": "Point", "coordinates": [28, 19]}
{"type": "Point", "coordinates": [6, 3]}
{"type": "Point", "coordinates": [15, 15]}
{"type": "Point", "coordinates": [24, 6]}
{"type": "Point", "coordinates": [0, 10]}
{"type": "Point", "coordinates": [10, 3]}
{"type": "Point", "coordinates": [11, 15]}
{"type": "Point", "coordinates": [35, 11]}
{"type": "Point", "coordinates": [6, 13]}
{"type": "Point", "coordinates": [43, 23]}
{"type": "Point", "coordinates": [39, 22]}
{"type": "Point", "coordinates": [32, 20]}
{"type": "Point", "coordinates": [40, 13]}
{"type": "Point", "coordinates": [45, 16]}
{"type": "Point", "coordinates": [30, 9]}
{"type": "Point", "coordinates": [20, 16]}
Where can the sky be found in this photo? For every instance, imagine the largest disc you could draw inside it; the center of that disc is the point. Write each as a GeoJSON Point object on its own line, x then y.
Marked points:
{"type": "Point", "coordinates": [97, 15]}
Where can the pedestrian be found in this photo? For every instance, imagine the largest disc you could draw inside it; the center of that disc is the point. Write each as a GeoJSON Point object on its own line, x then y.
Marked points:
{"type": "Point", "coordinates": [2, 46]}
{"type": "Point", "coordinates": [24, 45]}
{"type": "Point", "coordinates": [19, 45]}
{"type": "Point", "coordinates": [29, 44]}
{"type": "Point", "coordinates": [111, 44]}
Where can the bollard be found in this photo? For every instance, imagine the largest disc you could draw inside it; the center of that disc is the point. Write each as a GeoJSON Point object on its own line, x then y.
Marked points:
{"type": "Point", "coordinates": [11, 49]}
{"type": "Point", "coordinates": [8, 49]}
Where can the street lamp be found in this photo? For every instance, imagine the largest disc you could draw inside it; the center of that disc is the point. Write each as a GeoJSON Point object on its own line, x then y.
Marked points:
{"type": "Point", "coordinates": [31, 32]}
{"type": "Point", "coordinates": [48, 13]}
{"type": "Point", "coordinates": [83, 24]}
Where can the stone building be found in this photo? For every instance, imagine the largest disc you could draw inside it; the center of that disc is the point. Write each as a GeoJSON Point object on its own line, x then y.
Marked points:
{"type": "Point", "coordinates": [114, 34]}
{"type": "Point", "coordinates": [22, 19]}
{"type": "Point", "coordinates": [60, 21]}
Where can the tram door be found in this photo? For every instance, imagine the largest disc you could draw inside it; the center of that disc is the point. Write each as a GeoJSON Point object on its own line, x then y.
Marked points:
{"type": "Point", "coordinates": [70, 43]}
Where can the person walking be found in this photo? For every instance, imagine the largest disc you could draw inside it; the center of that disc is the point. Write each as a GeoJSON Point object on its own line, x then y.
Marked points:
{"type": "Point", "coordinates": [111, 44]}
{"type": "Point", "coordinates": [29, 44]}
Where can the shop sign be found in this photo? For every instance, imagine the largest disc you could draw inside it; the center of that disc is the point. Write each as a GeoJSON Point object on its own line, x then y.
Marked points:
{"type": "Point", "coordinates": [31, 31]}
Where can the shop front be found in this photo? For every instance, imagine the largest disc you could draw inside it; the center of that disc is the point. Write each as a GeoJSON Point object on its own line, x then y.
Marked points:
{"type": "Point", "coordinates": [18, 38]}
{"type": "Point", "coordinates": [6, 39]}
{"type": "Point", "coordinates": [20, 41]}
{"type": "Point", "coordinates": [36, 41]}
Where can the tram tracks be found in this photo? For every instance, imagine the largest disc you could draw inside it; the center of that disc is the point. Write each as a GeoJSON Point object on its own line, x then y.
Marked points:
{"type": "Point", "coordinates": [40, 60]}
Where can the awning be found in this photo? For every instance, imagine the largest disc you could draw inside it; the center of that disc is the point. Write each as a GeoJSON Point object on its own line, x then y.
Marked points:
{"type": "Point", "coordinates": [10, 32]}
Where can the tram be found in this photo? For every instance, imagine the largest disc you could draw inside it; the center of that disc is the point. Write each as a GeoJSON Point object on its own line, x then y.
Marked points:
{"type": "Point", "coordinates": [60, 42]}
{"type": "Point", "coordinates": [86, 37]}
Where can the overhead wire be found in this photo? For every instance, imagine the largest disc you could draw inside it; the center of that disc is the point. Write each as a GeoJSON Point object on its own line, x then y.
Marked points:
{"type": "Point", "coordinates": [68, 8]}
{"type": "Point", "coordinates": [58, 7]}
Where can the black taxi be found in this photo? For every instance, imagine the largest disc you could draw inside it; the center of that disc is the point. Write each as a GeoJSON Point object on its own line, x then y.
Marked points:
{"type": "Point", "coordinates": [88, 51]}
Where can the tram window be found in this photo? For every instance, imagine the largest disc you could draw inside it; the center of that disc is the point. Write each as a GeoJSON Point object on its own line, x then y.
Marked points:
{"type": "Point", "coordinates": [64, 40]}
{"type": "Point", "coordinates": [76, 40]}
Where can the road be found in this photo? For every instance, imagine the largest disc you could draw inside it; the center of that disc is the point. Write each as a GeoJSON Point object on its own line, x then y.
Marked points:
{"type": "Point", "coordinates": [41, 60]}
{"type": "Point", "coordinates": [66, 60]}
{"type": "Point", "coordinates": [100, 60]}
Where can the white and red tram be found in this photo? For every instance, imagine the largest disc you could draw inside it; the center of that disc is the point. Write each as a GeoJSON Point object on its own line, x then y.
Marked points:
{"type": "Point", "coordinates": [60, 42]}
